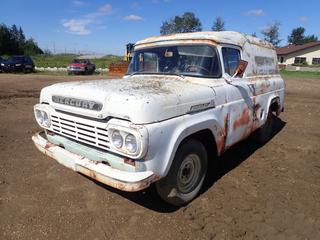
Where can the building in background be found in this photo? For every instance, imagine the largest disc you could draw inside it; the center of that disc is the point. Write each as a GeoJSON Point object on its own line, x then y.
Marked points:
{"type": "Point", "coordinates": [308, 53]}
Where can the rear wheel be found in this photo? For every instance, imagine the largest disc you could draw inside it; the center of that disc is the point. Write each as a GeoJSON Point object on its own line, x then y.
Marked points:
{"type": "Point", "coordinates": [186, 174]}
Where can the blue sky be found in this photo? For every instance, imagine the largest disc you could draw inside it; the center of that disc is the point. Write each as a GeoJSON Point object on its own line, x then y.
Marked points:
{"type": "Point", "coordinates": [104, 27]}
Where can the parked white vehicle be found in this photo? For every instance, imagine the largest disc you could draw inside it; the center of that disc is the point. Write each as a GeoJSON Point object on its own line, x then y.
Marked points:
{"type": "Point", "coordinates": [185, 96]}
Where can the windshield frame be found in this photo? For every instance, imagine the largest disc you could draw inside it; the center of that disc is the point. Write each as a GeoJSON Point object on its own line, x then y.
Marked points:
{"type": "Point", "coordinates": [182, 74]}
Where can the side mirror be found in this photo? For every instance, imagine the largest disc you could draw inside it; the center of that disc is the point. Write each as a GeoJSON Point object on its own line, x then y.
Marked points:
{"type": "Point", "coordinates": [242, 65]}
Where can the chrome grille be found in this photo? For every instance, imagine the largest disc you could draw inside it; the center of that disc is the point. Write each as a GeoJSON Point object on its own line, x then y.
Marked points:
{"type": "Point", "coordinates": [87, 131]}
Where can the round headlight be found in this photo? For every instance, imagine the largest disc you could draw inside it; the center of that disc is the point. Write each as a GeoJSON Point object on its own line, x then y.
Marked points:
{"type": "Point", "coordinates": [39, 116]}
{"type": "Point", "coordinates": [131, 143]}
{"type": "Point", "coordinates": [42, 118]}
{"type": "Point", "coordinates": [117, 139]}
{"type": "Point", "coordinates": [46, 119]}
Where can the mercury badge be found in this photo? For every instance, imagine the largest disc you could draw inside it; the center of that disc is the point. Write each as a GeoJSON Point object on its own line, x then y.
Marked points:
{"type": "Point", "coordinates": [74, 102]}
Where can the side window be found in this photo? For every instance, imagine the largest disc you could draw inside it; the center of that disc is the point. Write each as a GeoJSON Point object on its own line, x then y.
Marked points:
{"type": "Point", "coordinates": [231, 58]}
{"type": "Point", "coordinates": [148, 62]}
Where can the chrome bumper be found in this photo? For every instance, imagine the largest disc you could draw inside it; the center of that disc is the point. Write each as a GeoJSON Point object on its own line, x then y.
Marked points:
{"type": "Point", "coordinates": [126, 181]}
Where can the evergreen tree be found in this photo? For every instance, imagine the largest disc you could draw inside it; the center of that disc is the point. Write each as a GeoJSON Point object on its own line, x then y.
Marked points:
{"type": "Point", "coordinates": [218, 25]}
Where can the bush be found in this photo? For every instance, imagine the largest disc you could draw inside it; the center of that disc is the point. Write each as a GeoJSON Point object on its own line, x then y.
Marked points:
{"type": "Point", "coordinates": [62, 60]}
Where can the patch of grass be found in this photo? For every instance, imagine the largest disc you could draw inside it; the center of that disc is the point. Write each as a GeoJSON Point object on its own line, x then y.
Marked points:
{"type": "Point", "coordinates": [58, 73]}
{"type": "Point", "coordinates": [62, 60]}
{"type": "Point", "coordinates": [299, 74]}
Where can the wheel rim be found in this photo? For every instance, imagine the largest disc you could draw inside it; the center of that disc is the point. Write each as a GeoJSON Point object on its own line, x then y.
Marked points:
{"type": "Point", "coordinates": [189, 173]}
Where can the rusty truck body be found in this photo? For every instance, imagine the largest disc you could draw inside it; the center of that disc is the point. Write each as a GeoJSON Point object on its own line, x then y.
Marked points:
{"type": "Point", "coordinates": [184, 95]}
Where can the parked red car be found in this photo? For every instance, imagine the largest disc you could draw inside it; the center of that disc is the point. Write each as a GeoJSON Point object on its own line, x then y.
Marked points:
{"type": "Point", "coordinates": [81, 66]}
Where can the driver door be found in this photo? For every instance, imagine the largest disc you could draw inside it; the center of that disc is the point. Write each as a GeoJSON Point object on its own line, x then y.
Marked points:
{"type": "Point", "coordinates": [239, 98]}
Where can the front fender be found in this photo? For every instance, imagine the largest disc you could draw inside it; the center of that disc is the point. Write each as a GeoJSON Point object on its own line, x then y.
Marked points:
{"type": "Point", "coordinates": [166, 137]}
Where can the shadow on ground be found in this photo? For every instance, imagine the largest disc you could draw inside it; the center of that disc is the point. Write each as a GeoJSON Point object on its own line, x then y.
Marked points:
{"type": "Point", "coordinates": [232, 158]}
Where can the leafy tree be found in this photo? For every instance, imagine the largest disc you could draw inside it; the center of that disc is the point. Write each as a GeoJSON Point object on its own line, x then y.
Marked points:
{"type": "Point", "coordinates": [297, 37]}
{"type": "Point", "coordinates": [5, 40]}
{"type": "Point", "coordinates": [31, 47]}
{"type": "Point", "coordinates": [21, 39]}
{"type": "Point", "coordinates": [188, 22]}
{"type": "Point", "coordinates": [13, 41]}
{"type": "Point", "coordinates": [271, 34]}
{"type": "Point", "coordinates": [310, 38]}
{"type": "Point", "coordinates": [218, 24]}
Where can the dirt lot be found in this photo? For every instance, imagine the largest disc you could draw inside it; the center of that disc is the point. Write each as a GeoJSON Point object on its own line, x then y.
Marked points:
{"type": "Point", "coordinates": [253, 192]}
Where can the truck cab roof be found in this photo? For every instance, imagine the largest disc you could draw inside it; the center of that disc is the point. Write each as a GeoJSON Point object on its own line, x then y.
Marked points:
{"type": "Point", "coordinates": [226, 37]}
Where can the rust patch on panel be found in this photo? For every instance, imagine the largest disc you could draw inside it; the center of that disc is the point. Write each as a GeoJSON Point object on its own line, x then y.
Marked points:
{"type": "Point", "coordinates": [124, 186]}
{"type": "Point", "coordinates": [49, 145]}
{"type": "Point", "coordinates": [243, 120]}
{"type": "Point", "coordinates": [155, 42]}
{"type": "Point", "coordinates": [129, 161]}
{"type": "Point", "coordinates": [222, 136]}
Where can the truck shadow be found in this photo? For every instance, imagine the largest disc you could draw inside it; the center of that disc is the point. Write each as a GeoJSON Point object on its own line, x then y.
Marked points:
{"type": "Point", "coordinates": [232, 158]}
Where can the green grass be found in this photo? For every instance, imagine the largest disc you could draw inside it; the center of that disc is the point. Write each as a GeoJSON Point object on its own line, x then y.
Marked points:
{"type": "Point", "coordinates": [299, 74]}
{"type": "Point", "coordinates": [57, 73]}
{"type": "Point", "coordinates": [62, 60]}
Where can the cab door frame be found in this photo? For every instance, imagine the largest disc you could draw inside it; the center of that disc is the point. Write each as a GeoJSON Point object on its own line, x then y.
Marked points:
{"type": "Point", "coordinates": [239, 102]}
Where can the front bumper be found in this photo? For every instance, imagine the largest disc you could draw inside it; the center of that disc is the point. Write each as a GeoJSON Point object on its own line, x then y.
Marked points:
{"type": "Point", "coordinates": [76, 70]}
{"type": "Point", "coordinates": [123, 180]}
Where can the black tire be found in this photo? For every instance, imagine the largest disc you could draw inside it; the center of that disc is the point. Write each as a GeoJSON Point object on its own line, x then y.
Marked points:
{"type": "Point", "coordinates": [265, 133]}
{"type": "Point", "coordinates": [186, 175]}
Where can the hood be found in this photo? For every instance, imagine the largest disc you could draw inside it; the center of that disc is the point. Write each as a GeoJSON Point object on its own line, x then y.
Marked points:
{"type": "Point", "coordinates": [139, 99]}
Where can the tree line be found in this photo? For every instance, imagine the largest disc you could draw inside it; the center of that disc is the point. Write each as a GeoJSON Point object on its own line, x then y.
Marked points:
{"type": "Point", "coordinates": [14, 42]}
{"type": "Point", "coordinates": [188, 22]}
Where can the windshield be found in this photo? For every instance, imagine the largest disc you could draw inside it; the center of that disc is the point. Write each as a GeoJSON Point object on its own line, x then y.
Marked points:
{"type": "Point", "coordinates": [16, 58]}
{"type": "Point", "coordinates": [195, 60]}
{"type": "Point", "coordinates": [79, 61]}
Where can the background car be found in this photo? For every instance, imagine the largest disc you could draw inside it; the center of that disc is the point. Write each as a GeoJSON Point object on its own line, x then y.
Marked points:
{"type": "Point", "coordinates": [18, 64]}
{"type": "Point", "coordinates": [81, 66]}
{"type": "Point", "coordinates": [1, 61]}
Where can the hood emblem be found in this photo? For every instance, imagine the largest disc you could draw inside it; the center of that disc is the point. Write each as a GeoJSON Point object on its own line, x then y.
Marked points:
{"type": "Point", "coordinates": [74, 102]}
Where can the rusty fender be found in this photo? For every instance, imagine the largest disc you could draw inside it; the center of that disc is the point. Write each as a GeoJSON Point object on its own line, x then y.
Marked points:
{"type": "Point", "coordinates": [122, 180]}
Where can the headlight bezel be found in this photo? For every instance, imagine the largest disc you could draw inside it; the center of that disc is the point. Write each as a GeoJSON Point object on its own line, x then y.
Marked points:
{"type": "Point", "coordinates": [141, 136]}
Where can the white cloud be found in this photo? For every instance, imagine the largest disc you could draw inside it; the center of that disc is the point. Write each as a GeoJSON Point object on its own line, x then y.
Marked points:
{"type": "Point", "coordinates": [77, 26]}
{"type": "Point", "coordinates": [303, 19]}
{"type": "Point", "coordinates": [78, 3]}
{"type": "Point", "coordinates": [80, 25]}
{"type": "Point", "coordinates": [256, 12]}
{"type": "Point", "coordinates": [135, 5]}
{"type": "Point", "coordinates": [105, 9]}
{"type": "Point", "coordinates": [102, 11]}
{"type": "Point", "coordinates": [132, 18]}
{"type": "Point", "coordinates": [159, 1]}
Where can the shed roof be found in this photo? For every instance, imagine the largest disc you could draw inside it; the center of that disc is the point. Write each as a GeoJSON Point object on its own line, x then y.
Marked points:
{"type": "Point", "coordinates": [291, 48]}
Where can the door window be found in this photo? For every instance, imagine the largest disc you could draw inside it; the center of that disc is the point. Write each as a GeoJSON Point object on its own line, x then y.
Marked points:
{"type": "Point", "coordinates": [231, 58]}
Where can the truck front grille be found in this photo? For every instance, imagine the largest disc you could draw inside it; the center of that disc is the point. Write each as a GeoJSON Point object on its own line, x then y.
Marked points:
{"type": "Point", "coordinates": [83, 130]}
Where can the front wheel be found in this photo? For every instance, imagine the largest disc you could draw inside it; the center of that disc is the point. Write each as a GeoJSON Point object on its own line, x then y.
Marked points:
{"type": "Point", "coordinates": [186, 174]}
